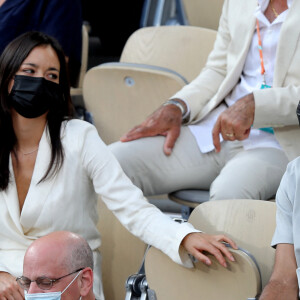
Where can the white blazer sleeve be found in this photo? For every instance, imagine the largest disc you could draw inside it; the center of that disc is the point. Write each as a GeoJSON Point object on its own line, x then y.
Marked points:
{"type": "Point", "coordinates": [127, 202]}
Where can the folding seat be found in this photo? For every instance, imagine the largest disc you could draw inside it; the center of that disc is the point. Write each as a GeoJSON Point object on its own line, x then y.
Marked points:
{"type": "Point", "coordinates": [251, 224]}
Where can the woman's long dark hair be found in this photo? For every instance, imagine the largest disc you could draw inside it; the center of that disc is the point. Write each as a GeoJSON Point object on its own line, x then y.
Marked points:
{"type": "Point", "coordinates": [10, 61]}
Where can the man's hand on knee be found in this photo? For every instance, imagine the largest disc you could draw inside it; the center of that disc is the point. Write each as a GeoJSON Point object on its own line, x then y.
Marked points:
{"type": "Point", "coordinates": [164, 121]}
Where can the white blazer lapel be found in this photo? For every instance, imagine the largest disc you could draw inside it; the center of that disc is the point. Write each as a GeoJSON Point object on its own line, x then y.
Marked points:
{"type": "Point", "coordinates": [38, 192]}
{"type": "Point", "coordinates": [10, 197]}
{"type": "Point", "coordinates": [242, 34]}
{"type": "Point", "coordinates": [288, 40]}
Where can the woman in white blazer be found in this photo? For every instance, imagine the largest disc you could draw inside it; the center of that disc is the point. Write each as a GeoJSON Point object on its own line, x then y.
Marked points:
{"type": "Point", "coordinates": [53, 167]}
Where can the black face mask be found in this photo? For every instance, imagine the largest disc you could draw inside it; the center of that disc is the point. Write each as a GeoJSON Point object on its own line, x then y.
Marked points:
{"type": "Point", "coordinates": [33, 96]}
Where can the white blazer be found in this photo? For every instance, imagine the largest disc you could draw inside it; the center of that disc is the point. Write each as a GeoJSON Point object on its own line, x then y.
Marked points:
{"type": "Point", "coordinates": [67, 201]}
{"type": "Point", "coordinates": [275, 107]}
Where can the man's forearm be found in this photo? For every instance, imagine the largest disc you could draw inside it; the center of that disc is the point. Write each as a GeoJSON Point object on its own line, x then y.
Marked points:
{"type": "Point", "coordinates": [275, 290]}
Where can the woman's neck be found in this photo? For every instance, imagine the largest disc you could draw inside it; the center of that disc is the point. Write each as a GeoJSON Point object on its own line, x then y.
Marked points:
{"type": "Point", "coordinates": [1, 2]}
{"type": "Point", "coordinates": [28, 131]}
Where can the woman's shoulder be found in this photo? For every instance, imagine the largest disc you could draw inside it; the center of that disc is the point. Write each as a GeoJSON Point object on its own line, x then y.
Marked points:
{"type": "Point", "coordinates": [76, 127]}
{"type": "Point", "coordinates": [78, 132]}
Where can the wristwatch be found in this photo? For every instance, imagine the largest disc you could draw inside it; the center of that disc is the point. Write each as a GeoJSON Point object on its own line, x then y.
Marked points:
{"type": "Point", "coordinates": [184, 112]}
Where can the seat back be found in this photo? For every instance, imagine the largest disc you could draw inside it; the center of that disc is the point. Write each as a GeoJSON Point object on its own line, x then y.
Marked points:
{"type": "Point", "coordinates": [84, 55]}
{"type": "Point", "coordinates": [203, 13]}
{"type": "Point", "coordinates": [162, 12]}
{"type": "Point", "coordinates": [183, 49]}
{"type": "Point", "coordinates": [240, 280]}
{"type": "Point", "coordinates": [84, 61]}
{"type": "Point", "coordinates": [251, 223]}
{"type": "Point", "coordinates": [120, 96]}
{"type": "Point", "coordinates": [121, 252]}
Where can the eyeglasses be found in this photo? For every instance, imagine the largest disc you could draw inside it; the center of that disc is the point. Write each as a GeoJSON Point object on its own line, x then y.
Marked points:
{"type": "Point", "coordinates": [43, 283]}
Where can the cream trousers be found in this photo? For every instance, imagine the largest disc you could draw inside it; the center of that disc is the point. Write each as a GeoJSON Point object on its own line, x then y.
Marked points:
{"type": "Point", "coordinates": [231, 174]}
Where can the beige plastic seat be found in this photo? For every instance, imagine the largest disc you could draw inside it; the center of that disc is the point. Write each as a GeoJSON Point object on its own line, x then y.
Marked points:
{"type": "Point", "coordinates": [203, 13]}
{"type": "Point", "coordinates": [122, 253]}
{"type": "Point", "coordinates": [84, 61]}
{"type": "Point", "coordinates": [240, 281]}
{"type": "Point", "coordinates": [120, 96]}
{"type": "Point", "coordinates": [251, 223]}
{"type": "Point", "coordinates": [183, 49]}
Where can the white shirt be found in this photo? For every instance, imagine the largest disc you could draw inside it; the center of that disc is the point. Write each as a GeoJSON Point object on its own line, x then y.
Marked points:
{"type": "Point", "coordinates": [288, 211]}
{"type": "Point", "coordinates": [250, 80]}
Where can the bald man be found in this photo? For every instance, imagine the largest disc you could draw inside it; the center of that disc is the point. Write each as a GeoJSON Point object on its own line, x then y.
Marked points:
{"type": "Point", "coordinates": [61, 264]}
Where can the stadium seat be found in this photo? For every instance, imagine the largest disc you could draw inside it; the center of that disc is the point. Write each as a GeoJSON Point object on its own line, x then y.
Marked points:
{"type": "Point", "coordinates": [251, 223]}
{"type": "Point", "coordinates": [183, 49]}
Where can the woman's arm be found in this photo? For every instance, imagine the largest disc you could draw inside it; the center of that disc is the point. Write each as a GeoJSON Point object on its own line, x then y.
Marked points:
{"type": "Point", "coordinates": [9, 288]}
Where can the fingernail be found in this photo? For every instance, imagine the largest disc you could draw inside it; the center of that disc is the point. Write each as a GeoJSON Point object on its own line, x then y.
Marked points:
{"type": "Point", "coordinates": [169, 151]}
{"type": "Point", "coordinates": [232, 258]}
{"type": "Point", "coordinates": [225, 264]}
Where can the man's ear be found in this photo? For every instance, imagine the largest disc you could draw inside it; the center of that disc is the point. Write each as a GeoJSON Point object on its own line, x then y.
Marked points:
{"type": "Point", "coordinates": [86, 281]}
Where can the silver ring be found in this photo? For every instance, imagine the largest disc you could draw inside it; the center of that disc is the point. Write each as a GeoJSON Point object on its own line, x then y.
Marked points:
{"type": "Point", "coordinates": [230, 134]}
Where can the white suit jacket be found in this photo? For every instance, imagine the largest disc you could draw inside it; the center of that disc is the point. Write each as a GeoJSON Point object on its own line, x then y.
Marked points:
{"type": "Point", "coordinates": [275, 107]}
{"type": "Point", "coordinates": [67, 201]}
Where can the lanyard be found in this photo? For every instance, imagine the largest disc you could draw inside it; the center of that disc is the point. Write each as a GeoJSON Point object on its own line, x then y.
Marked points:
{"type": "Point", "coordinates": [263, 71]}
{"type": "Point", "coordinates": [262, 66]}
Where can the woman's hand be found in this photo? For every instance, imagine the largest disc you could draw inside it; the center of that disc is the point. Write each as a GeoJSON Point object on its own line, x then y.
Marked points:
{"type": "Point", "coordinates": [198, 243]}
{"type": "Point", "coordinates": [9, 288]}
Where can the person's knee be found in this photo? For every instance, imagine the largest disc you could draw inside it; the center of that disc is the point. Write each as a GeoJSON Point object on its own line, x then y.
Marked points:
{"type": "Point", "coordinates": [123, 153]}
{"type": "Point", "coordinates": [118, 150]}
{"type": "Point", "coordinates": [223, 190]}
{"type": "Point", "coordinates": [226, 187]}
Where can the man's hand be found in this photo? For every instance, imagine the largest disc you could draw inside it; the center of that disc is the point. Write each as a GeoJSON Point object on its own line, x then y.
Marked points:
{"type": "Point", "coordinates": [235, 122]}
{"type": "Point", "coordinates": [165, 121]}
{"type": "Point", "coordinates": [198, 243]}
{"type": "Point", "coordinates": [9, 288]}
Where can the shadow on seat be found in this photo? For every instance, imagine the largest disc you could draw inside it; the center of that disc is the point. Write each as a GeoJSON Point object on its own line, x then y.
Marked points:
{"type": "Point", "coordinates": [189, 199]}
{"type": "Point", "coordinates": [251, 223]}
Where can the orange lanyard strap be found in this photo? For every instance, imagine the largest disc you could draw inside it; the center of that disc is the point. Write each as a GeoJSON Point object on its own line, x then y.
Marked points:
{"type": "Point", "coordinates": [260, 49]}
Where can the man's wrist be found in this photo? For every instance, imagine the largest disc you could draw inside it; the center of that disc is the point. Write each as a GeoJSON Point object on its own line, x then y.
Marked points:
{"type": "Point", "coordinates": [182, 106]}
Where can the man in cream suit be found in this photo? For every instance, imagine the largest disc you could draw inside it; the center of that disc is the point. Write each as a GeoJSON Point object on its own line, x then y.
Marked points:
{"type": "Point", "coordinates": [233, 128]}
